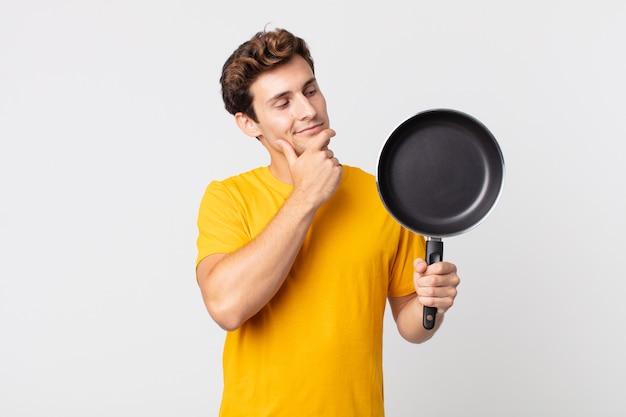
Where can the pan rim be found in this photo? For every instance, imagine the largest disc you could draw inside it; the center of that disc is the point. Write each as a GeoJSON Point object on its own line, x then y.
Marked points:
{"type": "Point", "coordinates": [498, 193]}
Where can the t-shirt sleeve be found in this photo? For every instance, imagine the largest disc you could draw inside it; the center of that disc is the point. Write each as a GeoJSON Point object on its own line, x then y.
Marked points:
{"type": "Point", "coordinates": [221, 228]}
{"type": "Point", "coordinates": [410, 246]}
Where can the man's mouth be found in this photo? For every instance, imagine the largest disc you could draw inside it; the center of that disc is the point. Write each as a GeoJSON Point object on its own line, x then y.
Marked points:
{"type": "Point", "coordinates": [311, 129]}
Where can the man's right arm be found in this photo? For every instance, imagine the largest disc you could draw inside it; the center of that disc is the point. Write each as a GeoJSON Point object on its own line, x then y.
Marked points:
{"type": "Point", "coordinates": [236, 286]}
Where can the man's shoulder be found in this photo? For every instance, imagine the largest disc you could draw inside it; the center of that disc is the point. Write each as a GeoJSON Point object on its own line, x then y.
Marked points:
{"type": "Point", "coordinates": [357, 178]}
{"type": "Point", "coordinates": [357, 173]}
{"type": "Point", "coordinates": [252, 184]}
{"type": "Point", "coordinates": [254, 173]}
{"type": "Point", "coordinates": [253, 177]}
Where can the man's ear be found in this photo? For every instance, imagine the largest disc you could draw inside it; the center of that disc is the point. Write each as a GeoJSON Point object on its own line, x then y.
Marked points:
{"type": "Point", "coordinates": [247, 125]}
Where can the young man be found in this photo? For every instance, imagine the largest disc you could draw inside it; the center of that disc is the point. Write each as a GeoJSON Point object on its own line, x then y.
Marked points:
{"type": "Point", "coordinates": [297, 260]}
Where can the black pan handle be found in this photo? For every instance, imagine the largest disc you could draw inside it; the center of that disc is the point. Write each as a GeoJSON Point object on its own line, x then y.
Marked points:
{"type": "Point", "coordinates": [434, 253]}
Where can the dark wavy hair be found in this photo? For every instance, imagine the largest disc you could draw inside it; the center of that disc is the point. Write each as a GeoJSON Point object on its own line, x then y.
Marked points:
{"type": "Point", "coordinates": [264, 51]}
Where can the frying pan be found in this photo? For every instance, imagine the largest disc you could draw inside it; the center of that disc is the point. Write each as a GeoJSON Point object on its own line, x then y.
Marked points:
{"type": "Point", "coordinates": [439, 174]}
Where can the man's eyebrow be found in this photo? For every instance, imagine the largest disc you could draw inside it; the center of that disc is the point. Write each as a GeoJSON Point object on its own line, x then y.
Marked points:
{"type": "Point", "coordinates": [311, 81]}
{"type": "Point", "coordinates": [284, 93]}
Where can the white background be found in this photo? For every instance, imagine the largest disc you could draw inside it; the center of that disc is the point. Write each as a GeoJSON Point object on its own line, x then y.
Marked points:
{"type": "Point", "coordinates": [111, 125]}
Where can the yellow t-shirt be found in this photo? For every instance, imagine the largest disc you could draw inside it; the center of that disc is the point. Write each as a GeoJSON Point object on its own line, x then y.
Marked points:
{"type": "Point", "coordinates": [316, 348]}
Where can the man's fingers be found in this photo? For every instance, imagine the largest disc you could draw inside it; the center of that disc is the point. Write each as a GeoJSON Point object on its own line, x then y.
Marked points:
{"type": "Point", "coordinates": [324, 140]}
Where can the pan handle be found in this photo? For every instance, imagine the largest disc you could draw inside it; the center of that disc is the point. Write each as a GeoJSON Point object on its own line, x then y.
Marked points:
{"type": "Point", "coordinates": [434, 253]}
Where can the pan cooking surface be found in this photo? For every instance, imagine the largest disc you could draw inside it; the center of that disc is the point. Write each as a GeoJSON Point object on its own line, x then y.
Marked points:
{"type": "Point", "coordinates": [440, 173]}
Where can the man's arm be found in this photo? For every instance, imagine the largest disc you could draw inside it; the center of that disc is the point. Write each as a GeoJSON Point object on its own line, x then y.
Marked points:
{"type": "Point", "coordinates": [435, 286]}
{"type": "Point", "coordinates": [236, 286]}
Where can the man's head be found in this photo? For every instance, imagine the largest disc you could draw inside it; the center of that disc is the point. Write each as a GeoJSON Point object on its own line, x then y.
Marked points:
{"type": "Point", "coordinates": [263, 52]}
{"type": "Point", "coordinates": [269, 85]}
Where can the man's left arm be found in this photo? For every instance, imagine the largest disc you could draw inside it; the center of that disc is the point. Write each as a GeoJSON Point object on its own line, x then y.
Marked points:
{"type": "Point", "coordinates": [435, 286]}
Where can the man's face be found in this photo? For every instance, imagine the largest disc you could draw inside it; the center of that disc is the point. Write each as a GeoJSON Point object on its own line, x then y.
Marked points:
{"type": "Point", "coordinates": [289, 105]}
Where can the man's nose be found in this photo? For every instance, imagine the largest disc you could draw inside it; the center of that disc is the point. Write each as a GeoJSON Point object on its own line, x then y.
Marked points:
{"type": "Point", "coordinates": [304, 108]}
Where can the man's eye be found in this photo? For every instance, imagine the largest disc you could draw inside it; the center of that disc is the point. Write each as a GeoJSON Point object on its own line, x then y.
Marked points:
{"type": "Point", "coordinates": [282, 104]}
{"type": "Point", "coordinates": [310, 91]}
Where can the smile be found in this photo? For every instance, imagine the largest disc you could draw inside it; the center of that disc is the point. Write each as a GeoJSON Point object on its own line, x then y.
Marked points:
{"type": "Point", "coordinates": [311, 129]}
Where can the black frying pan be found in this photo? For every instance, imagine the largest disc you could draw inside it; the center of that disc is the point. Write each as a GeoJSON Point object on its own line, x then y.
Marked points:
{"type": "Point", "coordinates": [440, 174]}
